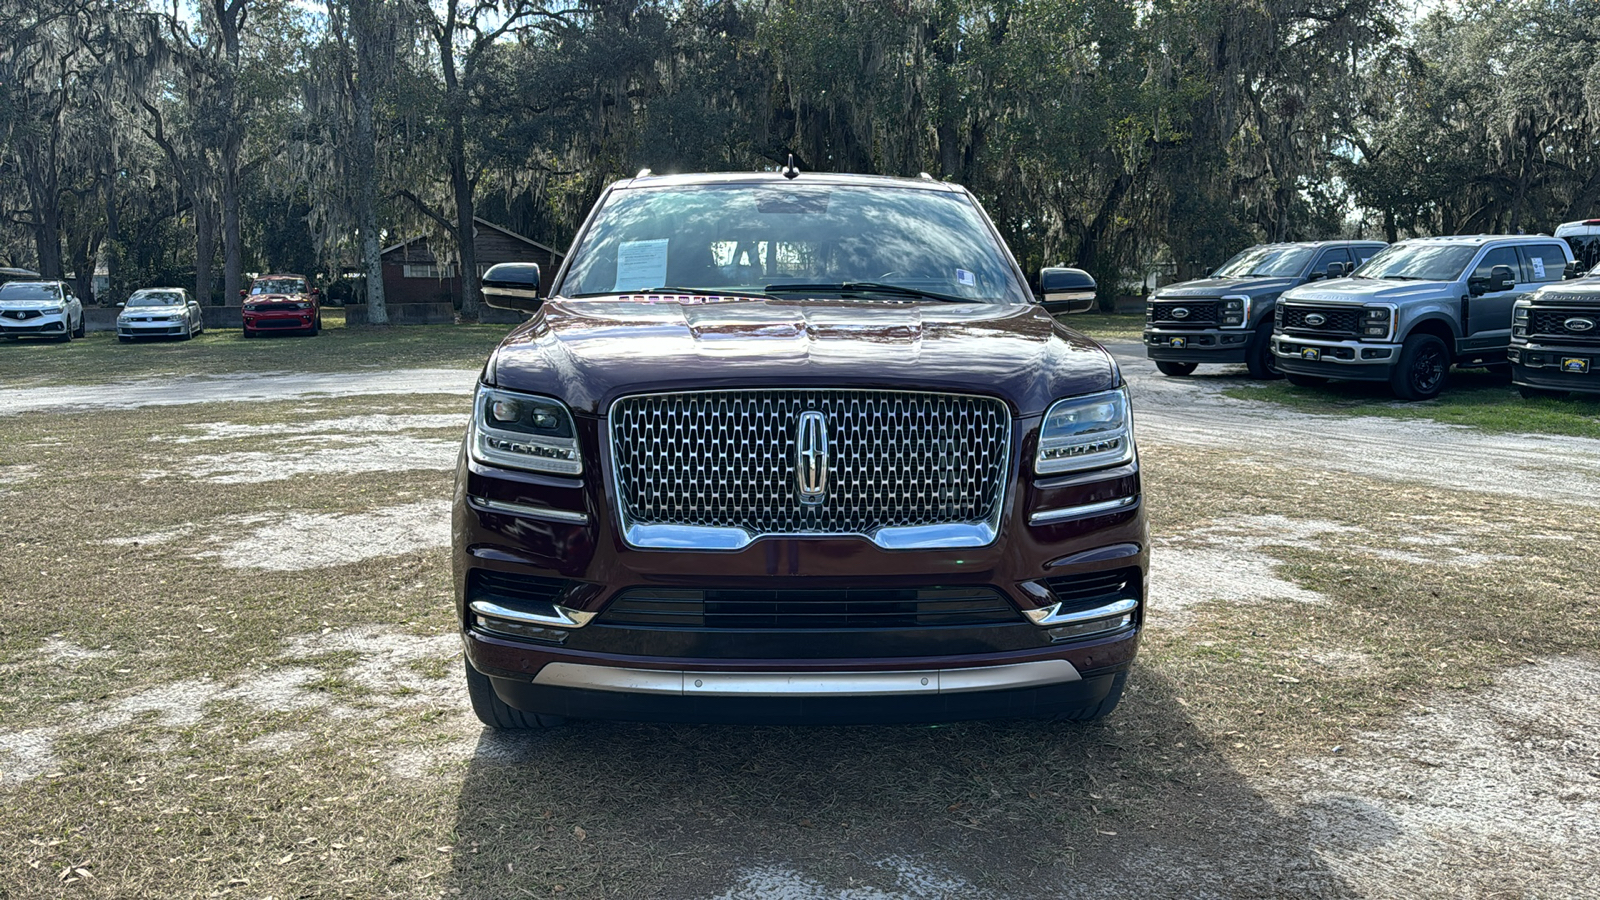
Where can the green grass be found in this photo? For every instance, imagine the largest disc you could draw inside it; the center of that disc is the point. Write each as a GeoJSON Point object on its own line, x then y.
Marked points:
{"type": "Point", "coordinates": [1473, 397]}
{"type": "Point", "coordinates": [99, 358]}
{"type": "Point", "coordinates": [1106, 326]}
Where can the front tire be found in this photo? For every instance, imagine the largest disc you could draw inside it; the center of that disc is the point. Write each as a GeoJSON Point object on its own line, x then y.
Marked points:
{"type": "Point", "coordinates": [83, 326]}
{"type": "Point", "coordinates": [316, 326]}
{"type": "Point", "coordinates": [493, 712]}
{"type": "Point", "coordinates": [1175, 369]}
{"type": "Point", "coordinates": [248, 333]}
{"type": "Point", "coordinates": [1310, 381]}
{"type": "Point", "coordinates": [1423, 369]}
{"type": "Point", "coordinates": [1259, 359]}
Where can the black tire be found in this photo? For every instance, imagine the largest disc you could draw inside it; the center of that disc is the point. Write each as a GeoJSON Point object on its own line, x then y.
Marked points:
{"type": "Point", "coordinates": [1099, 710]}
{"type": "Point", "coordinates": [1534, 393]}
{"type": "Point", "coordinates": [124, 339]}
{"type": "Point", "coordinates": [1175, 369]}
{"type": "Point", "coordinates": [493, 712]}
{"type": "Point", "coordinates": [248, 333]}
{"type": "Point", "coordinates": [83, 327]}
{"type": "Point", "coordinates": [1258, 358]}
{"type": "Point", "coordinates": [316, 326]}
{"type": "Point", "coordinates": [67, 335]}
{"type": "Point", "coordinates": [188, 332]}
{"type": "Point", "coordinates": [1298, 380]}
{"type": "Point", "coordinates": [1423, 368]}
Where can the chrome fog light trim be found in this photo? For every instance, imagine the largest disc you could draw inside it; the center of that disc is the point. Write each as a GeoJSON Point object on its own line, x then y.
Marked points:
{"type": "Point", "coordinates": [558, 617]}
{"type": "Point", "coordinates": [1068, 513]}
{"type": "Point", "coordinates": [484, 504]}
{"type": "Point", "coordinates": [1051, 616]}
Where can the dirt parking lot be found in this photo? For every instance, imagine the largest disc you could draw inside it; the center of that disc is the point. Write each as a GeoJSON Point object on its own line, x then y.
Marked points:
{"type": "Point", "coordinates": [227, 668]}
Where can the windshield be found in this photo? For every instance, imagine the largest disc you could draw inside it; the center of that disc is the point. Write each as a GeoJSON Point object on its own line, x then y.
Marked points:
{"type": "Point", "coordinates": [278, 286]}
{"type": "Point", "coordinates": [1266, 261]}
{"type": "Point", "coordinates": [19, 290]}
{"type": "Point", "coordinates": [1420, 262]}
{"type": "Point", "coordinates": [749, 237]}
{"type": "Point", "coordinates": [156, 298]}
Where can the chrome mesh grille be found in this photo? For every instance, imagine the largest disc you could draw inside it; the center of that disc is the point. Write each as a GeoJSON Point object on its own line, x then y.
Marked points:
{"type": "Point", "coordinates": [727, 459]}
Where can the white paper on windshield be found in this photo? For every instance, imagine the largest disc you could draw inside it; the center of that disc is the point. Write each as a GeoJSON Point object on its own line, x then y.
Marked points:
{"type": "Point", "coordinates": [641, 265]}
{"type": "Point", "coordinates": [1538, 268]}
{"type": "Point", "coordinates": [966, 278]}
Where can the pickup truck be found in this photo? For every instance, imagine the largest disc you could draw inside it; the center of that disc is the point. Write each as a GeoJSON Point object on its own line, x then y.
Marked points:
{"type": "Point", "coordinates": [1227, 317]}
{"type": "Point", "coordinates": [1555, 339]}
{"type": "Point", "coordinates": [1413, 311]}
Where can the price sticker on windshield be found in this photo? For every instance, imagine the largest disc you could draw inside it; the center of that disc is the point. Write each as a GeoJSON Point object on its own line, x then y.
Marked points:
{"type": "Point", "coordinates": [1538, 268]}
{"type": "Point", "coordinates": [641, 265]}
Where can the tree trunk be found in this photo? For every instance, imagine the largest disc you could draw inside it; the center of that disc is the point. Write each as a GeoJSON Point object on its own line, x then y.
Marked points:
{"type": "Point", "coordinates": [205, 252]}
{"type": "Point", "coordinates": [365, 25]}
{"type": "Point", "coordinates": [232, 240]}
{"type": "Point", "coordinates": [466, 242]}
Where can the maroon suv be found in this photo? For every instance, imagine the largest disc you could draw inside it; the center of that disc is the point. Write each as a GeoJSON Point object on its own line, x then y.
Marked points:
{"type": "Point", "coordinates": [796, 449]}
{"type": "Point", "coordinates": [281, 303]}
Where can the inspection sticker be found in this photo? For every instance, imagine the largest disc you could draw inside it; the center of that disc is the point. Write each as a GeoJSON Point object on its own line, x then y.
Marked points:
{"type": "Point", "coordinates": [966, 278]}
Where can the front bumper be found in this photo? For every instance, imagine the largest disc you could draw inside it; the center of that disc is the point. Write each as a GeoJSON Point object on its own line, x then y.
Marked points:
{"type": "Point", "coordinates": [1555, 367]}
{"type": "Point", "coordinates": [1210, 345]}
{"type": "Point", "coordinates": [1032, 661]}
{"type": "Point", "coordinates": [53, 324]}
{"type": "Point", "coordinates": [299, 320]}
{"type": "Point", "coordinates": [151, 329]}
{"type": "Point", "coordinates": [1348, 359]}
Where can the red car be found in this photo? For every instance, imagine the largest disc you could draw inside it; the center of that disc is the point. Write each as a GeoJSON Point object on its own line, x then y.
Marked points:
{"type": "Point", "coordinates": [282, 303]}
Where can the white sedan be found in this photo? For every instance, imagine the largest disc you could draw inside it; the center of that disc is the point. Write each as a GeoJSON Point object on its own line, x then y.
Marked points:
{"type": "Point", "coordinates": [40, 309]}
{"type": "Point", "coordinates": [160, 312]}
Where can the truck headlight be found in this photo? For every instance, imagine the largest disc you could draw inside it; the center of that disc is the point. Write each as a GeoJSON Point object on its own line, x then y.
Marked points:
{"type": "Point", "coordinates": [1235, 311]}
{"type": "Point", "coordinates": [1376, 321]}
{"type": "Point", "coordinates": [524, 431]}
{"type": "Point", "coordinates": [1085, 433]}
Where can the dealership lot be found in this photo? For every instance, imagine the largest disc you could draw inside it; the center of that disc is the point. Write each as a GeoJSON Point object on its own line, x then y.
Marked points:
{"type": "Point", "coordinates": [229, 667]}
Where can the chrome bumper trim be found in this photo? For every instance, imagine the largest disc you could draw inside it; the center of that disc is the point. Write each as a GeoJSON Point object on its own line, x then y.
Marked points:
{"type": "Point", "coordinates": [483, 504]}
{"type": "Point", "coordinates": [1049, 617]}
{"type": "Point", "coordinates": [1068, 513]}
{"type": "Point", "coordinates": [560, 616]}
{"type": "Point", "coordinates": [906, 537]}
{"type": "Point", "coordinates": [806, 684]}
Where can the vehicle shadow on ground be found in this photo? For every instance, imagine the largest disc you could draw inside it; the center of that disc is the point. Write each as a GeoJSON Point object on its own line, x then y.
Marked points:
{"type": "Point", "coordinates": [1139, 804]}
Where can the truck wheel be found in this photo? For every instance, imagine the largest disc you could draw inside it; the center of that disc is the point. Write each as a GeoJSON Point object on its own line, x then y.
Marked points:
{"type": "Point", "coordinates": [494, 712]}
{"type": "Point", "coordinates": [1176, 369]}
{"type": "Point", "coordinates": [1259, 359]}
{"type": "Point", "coordinates": [1298, 380]}
{"type": "Point", "coordinates": [1424, 365]}
{"type": "Point", "coordinates": [1533, 393]}
{"type": "Point", "coordinates": [83, 327]}
{"type": "Point", "coordinates": [1099, 710]}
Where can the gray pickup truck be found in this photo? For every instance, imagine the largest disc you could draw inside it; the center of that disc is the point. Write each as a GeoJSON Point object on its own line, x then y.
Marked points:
{"type": "Point", "coordinates": [1555, 339]}
{"type": "Point", "coordinates": [1413, 311]}
{"type": "Point", "coordinates": [1227, 318]}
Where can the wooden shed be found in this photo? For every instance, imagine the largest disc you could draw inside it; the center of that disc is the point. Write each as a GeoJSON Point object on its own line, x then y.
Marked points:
{"type": "Point", "coordinates": [412, 273]}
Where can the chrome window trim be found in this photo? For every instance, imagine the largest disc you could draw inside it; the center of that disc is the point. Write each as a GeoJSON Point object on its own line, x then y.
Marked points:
{"type": "Point", "coordinates": [913, 682]}
{"type": "Point", "coordinates": [945, 535]}
{"type": "Point", "coordinates": [1068, 513]}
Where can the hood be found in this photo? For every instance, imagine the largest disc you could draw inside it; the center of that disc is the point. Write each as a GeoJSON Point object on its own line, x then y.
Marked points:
{"type": "Point", "coordinates": [1356, 291]}
{"type": "Point", "coordinates": [1582, 290]}
{"type": "Point", "coordinates": [589, 352]}
{"type": "Point", "coordinates": [275, 298]}
{"type": "Point", "coordinates": [30, 304]}
{"type": "Point", "coordinates": [1212, 288]}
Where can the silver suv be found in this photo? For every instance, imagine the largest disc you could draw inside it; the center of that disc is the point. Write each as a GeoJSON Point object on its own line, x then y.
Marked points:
{"type": "Point", "coordinates": [1414, 310]}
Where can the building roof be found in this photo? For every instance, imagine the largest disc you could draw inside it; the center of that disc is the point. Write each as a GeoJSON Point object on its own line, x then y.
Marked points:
{"type": "Point", "coordinates": [482, 222]}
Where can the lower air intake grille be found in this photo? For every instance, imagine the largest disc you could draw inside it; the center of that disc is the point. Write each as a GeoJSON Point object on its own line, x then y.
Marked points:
{"type": "Point", "coordinates": [825, 610]}
{"type": "Point", "coordinates": [526, 592]}
{"type": "Point", "coordinates": [1095, 588]}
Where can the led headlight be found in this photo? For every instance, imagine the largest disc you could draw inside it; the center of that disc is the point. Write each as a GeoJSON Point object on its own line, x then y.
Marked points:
{"type": "Point", "coordinates": [1376, 321]}
{"type": "Point", "coordinates": [1085, 433]}
{"type": "Point", "coordinates": [524, 431]}
{"type": "Point", "coordinates": [1235, 310]}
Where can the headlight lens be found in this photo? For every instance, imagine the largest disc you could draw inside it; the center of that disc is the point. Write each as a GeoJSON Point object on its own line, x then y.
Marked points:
{"type": "Point", "coordinates": [524, 431]}
{"type": "Point", "coordinates": [302, 305]}
{"type": "Point", "coordinates": [1085, 433]}
{"type": "Point", "coordinates": [1235, 311]}
{"type": "Point", "coordinates": [1375, 322]}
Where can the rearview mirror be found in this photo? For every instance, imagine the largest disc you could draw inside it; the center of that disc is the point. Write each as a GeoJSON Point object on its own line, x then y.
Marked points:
{"type": "Point", "coordinates": [513, 286]}
{"type": "Point", "coordinates": [1066, 290]}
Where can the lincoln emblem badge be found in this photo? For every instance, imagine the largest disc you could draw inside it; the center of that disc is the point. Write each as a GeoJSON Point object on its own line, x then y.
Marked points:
{"type": "Point", "coordinates": [811, 457]}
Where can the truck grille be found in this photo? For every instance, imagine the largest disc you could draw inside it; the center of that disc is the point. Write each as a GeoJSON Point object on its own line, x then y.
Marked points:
{"type": "Point", "coordinates": [788, 610]}
{"type": "Point", "coordinates": [277, 307]}
{"type": "Point", "coordinates": [1335, 320]}
{"type": "Point", "coordinates": [727, 459]}
{"type": "Point", "coordinates": [1200, 312]}
{"type": "Point", "coordinates": [1553, 323]}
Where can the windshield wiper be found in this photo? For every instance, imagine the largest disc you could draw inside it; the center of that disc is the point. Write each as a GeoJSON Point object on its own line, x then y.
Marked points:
{"type": "Point", "coordinates": [691, 291]}
{"type": "Point", "coordinates": [868, 287]}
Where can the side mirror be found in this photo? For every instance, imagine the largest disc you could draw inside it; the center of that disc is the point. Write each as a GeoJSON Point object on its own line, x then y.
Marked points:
{"type": "Point", "coordinates": [1574, 269]}
{"type": "Point", "coordinates": [243, 293]}
{"type": "Point", "coordinates": [1501, 279]}
{"type": "Point", "coordinates": [1066, 290]}
{"type": "Point", "coordinates": [1338, 269]}
{"type": "Point", "coordinates": [513, 286]}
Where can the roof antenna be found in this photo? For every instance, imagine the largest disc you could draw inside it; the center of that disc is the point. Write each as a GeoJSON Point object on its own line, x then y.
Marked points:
{"type": "Point", "coordinates": [791, 170]}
